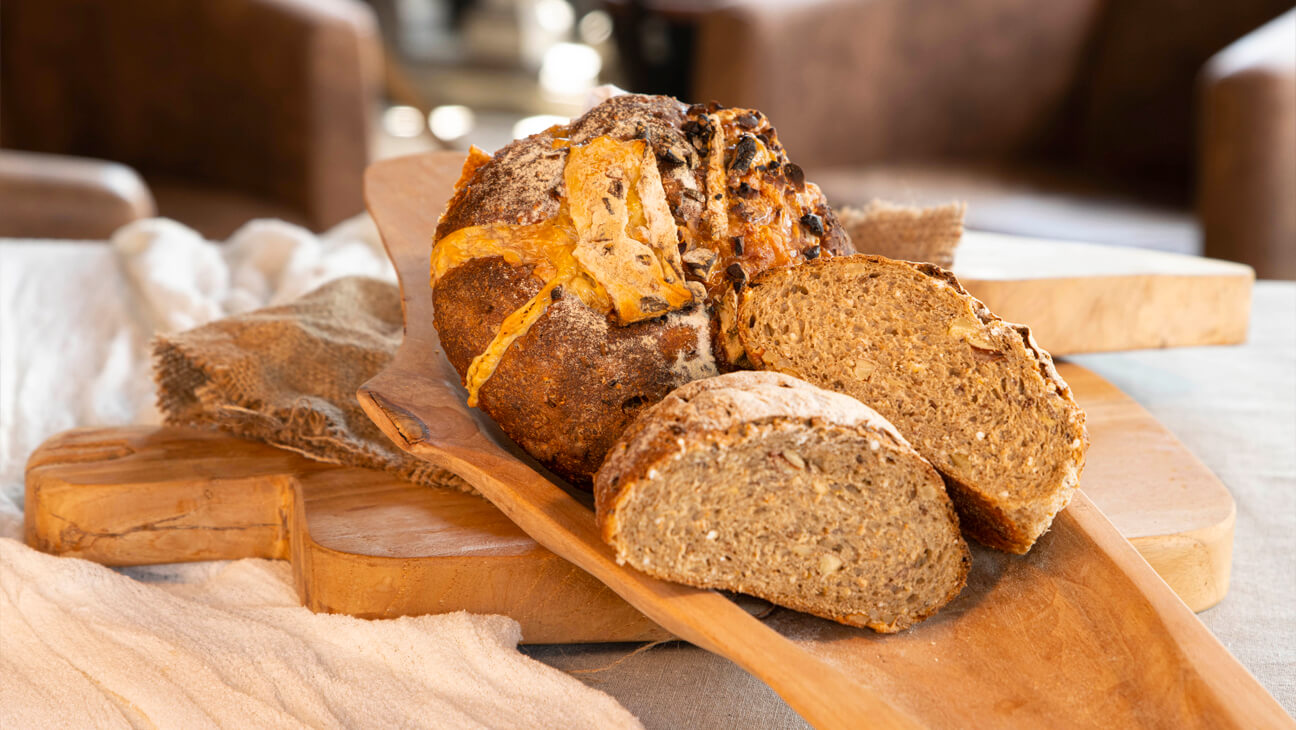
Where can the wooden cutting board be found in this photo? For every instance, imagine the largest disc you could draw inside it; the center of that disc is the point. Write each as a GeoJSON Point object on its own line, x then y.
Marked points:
{"type": "Point", "coordinates": [1080, 631]}
{"type": "Point", "coordinates": [364, 543]}
{"type": "Point", "coordinates": [360, 541]}
{"type": "Point", "coordinates": [1084, 297]}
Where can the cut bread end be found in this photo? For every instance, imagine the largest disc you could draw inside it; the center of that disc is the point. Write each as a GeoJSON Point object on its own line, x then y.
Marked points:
{"type": "Point", "coordinates": [974, 394]}
{"type": "Point", "coordinates": [765, 485]}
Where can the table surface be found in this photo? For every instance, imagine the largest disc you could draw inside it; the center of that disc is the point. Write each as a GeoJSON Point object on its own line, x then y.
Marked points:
{"type": "Point", "coordinates": [1235, 407]}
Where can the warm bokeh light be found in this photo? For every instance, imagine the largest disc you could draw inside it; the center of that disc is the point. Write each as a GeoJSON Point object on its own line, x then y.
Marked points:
{"type": "Point", "coordinates": [595, 27]}
{"type": "Point", "coordinates": [570, 69]}
{"type": "Point", "coordinates": [554, 16]}
{"type": "Point", "coordinates": [451, 122]}
{"type": "Point", "coordinates": [403, 121]}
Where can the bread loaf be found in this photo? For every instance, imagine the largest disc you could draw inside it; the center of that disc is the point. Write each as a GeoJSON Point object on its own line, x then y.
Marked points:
{"type": "Point", "coordinates": [576, 273]}
{"type": "Point", "coordinates": [764, 484]}
{"type": "Point", "coordinates": [974, 394]}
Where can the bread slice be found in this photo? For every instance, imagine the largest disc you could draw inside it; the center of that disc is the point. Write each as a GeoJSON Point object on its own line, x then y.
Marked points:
{"type": "Point", "coordinates": [766, 485]}
{"type": "Point", "coordinates": [974, 394]}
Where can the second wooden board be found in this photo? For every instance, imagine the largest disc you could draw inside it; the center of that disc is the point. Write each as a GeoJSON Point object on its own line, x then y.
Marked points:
{"type": "Point", "coordinates": [1084, 297]}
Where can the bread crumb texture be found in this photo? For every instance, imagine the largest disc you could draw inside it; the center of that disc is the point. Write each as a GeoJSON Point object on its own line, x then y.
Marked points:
{"type": "Point", "coordinates": [977, 396]}
{"type": "Point", "coordinates": [767, 485]}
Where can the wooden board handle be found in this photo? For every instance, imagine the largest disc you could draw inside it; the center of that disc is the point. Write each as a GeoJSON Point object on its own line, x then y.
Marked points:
{"type": "Point", "coordinates": [223, 508]}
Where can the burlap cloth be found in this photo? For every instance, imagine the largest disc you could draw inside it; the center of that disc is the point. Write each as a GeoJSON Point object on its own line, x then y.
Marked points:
{"type": "Point", "coordinates": [907, 233]}
{"type": "Point", "coordinates": [288, 376]}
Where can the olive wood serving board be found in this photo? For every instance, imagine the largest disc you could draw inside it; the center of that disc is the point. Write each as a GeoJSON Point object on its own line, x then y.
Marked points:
{"type": "Point", "coordinates": [1081, 630]}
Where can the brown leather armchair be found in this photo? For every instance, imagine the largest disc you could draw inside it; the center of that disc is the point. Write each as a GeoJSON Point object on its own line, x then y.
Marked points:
{"type": "Point", "coordinates": [1246, 188]}
{"type": "Point", "coordinates": [229, 109]}
{"type": "Point", "coordinates": [56, 196]}
{"type": "Point", "coordinates": [1072, 119]}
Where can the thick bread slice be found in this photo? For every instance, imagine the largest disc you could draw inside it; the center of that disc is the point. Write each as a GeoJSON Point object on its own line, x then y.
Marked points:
{"type": "Point", "coordinates": [974, 394]}
{"type": "Point", "coordinates": [766, 485]}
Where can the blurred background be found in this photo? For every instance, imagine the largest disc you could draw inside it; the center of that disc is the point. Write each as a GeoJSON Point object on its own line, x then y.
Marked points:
{"type": "Point", "coordinates": [1165, 124]}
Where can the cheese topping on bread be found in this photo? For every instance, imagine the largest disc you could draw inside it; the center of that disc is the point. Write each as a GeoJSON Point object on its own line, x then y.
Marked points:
{"type": "Point", "coordinates": [613, 243]}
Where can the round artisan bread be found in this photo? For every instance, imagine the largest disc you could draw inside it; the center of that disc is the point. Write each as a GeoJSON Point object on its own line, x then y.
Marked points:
{"type": "Point", "coordinates": [762, 483]}
{"type": "Point", "coordinates": [564, 352]}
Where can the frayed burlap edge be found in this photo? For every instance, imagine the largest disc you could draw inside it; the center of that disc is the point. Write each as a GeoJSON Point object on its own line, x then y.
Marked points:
{"type": "Point", "coordinates": [287, 376]}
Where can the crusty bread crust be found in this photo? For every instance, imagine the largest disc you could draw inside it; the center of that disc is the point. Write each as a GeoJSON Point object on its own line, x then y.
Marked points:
{"type": "Point", "coordinates": [563, 394]}
{"type": "Point", "coordinates": [741, 405]}
{"type": "Point", "coordinates": [571, 384]}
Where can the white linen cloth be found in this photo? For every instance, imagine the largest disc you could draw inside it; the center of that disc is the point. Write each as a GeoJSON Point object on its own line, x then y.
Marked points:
{"type": "Point", "coordinates": [221, 644]}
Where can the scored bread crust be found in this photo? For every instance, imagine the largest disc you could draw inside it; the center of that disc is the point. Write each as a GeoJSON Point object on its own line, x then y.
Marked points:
{"type": "Point", "coordinates": [748, 399]}
{"type": "Point", "coordinates": [985, 517]}
{"type": "Point", "coordinates": [571, 384]}
{"type": "Point", "coordinates": [561, 392]}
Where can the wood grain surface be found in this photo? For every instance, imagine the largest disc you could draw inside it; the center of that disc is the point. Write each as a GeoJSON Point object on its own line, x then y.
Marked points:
{"type": "Point", "coordinates": [1084, 297]}
{"type": "Point", "coordinates": [1081, 631]}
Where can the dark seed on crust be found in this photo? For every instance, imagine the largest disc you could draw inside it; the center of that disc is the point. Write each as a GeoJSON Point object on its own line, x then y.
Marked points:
{"type": "Point", "coordinates": [653, 304]}
{"type": "Point", "coordinates": [718, 196]}
{"type": "Point", "coordinates": [744, 152]}
{"type": "Point", "coordinates": [738, 245]}
{"type": "Point", "coordinates": [697, 110]}
{"type": "Point", "coordinates": [813, 222]}
{"type": "Point", "coordinates": [736, 273]}
{"type": "Point", "coordinates": [795, 175]}
{"type": "Point", "coordinates": [617, 188]}
{"type": "Point", "coordinates": [556, 293]}
{"type": "Point", "coordinates": [699, 262]}
{"type": "Point", "coordinates": [747, 121]}
{"type": "Point", "coordinates": [811, 252]}
{"type": "Point", "coordinates": [608, 204]}
{"type": "Point", "coordinates": [745, 191]}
